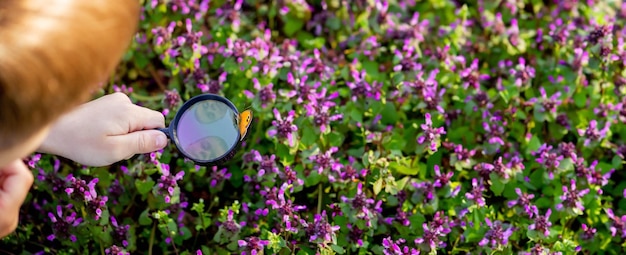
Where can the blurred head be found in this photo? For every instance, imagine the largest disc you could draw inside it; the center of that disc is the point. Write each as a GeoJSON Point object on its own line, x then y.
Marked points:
{"type": "Point", "coordinates": [53, 56]}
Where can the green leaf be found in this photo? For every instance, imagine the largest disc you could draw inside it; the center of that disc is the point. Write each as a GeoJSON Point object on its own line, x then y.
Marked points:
{"type": "Point", "coordinates": [309, 136]}
{"type": "Point", "coordinates": [313, 179]}
{"type": "Point", "coordinates": [378, 186]}
{"type": "Point", "coordinates": [497, 186]}
{"type": "Point", "coordinates": [389, 114]}
{"type": "Point", "coordinates": [533, 144]}
{"type": "Point", "coordinates": [371, 68]}
{"type": "Point", "coordinates": [282, 151]}
{"type": "Point", "coordinates": [333, 23]}
{"type": "Point", "coordinates": [580, 99]}
{"type": "Point", "coordinates": [402, 169]}
{"type": "Point", "coordinates": [617, 162]}
{"type": "Point", "coordinates": [338, 249]}
{"type": "Point", "coordinates": [144, 186]}
{"type": "Point", "coordinates": [335, 138]}
{"type": "Point", "coordinates": [292, 25]}
{"type": "Point", "coordinates": [144, 218]}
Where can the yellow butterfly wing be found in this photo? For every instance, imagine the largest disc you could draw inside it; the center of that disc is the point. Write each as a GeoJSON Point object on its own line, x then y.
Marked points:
{"type": "Point", "coordinates": [245, 118]}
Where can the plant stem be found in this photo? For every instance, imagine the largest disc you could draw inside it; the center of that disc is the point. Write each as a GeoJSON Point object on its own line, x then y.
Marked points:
{"type": "Point", "coordinates": [151, 242]}
{"type": "Point", "coordinates": [169, 233]}
{"type": "Point", "coordinates": [319, 198]}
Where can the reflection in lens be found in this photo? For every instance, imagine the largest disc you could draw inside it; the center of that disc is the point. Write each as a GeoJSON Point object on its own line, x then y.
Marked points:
{"type": "Point", "coordinates": [207, 130]}
{"type": "Point", "coordinates": [210, 110]}
{"type": "Point", "coordinates": [208, 148]}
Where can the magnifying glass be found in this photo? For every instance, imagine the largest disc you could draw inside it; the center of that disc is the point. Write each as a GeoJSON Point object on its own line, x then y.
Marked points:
{"type": "Point", "coordinates": [208, 129]}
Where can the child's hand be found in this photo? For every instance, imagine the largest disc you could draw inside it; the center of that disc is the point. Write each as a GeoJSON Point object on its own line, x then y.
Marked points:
{"type": "Point", "coordinates": [15, 182]}
{"type": "Point", "coordinates": [106, 130]}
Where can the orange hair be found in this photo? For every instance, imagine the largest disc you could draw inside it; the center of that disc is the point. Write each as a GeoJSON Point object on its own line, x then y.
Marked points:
{"type": "Point", "coordinates": [53, 56]}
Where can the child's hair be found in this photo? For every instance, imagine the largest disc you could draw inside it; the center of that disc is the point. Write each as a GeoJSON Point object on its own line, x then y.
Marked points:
{"type": "Point", "coordinates": [53, 55]}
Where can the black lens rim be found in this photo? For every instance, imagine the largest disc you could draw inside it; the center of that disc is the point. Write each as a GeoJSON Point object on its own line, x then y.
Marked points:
{"type": "Point", "coordinates": [173, 130]}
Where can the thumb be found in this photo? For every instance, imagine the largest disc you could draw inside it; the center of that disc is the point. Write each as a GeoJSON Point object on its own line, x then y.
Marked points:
{"type": "Point", "coordinates": [139, 142]}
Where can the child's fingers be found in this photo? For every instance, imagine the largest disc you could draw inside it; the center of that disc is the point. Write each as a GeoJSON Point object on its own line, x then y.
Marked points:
{"type": "Point", "coordinates": [15, 182]}
{"type": "Point", "coordinates": [138, 142]}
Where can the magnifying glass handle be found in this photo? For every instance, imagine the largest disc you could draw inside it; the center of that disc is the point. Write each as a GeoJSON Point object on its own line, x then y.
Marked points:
{"type": "Point", "coordinates": [166, 131]}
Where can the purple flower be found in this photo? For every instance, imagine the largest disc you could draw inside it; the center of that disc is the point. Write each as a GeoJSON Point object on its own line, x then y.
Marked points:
{"type": "Point", "coordinates": [167, 183]}
{"type": "Point", "coordinates": [123, 89]}
{"type": "Point", "coordinates": [598, 33]}
{"type": "Point", "coordinates": [325, 161]}
{"type": "Point", "coordinates": [53, 179]}
{"type": "Point", "coordinates": [316, 65]}
{"type": "Point", "coordinates": [542, 223]}
{"type": "Point", "coordinates": [559, 31]}
{"type": "Point", "coordinates": [230, 12]}
{"type": "Point", "coordinates": [513, 33]}
{"type": "Point", "coordinates": [522, 72]}
{"type": "Point", "coordinates": [433, 98]}
{"type": "Point", "coordinates": [595, 176]}
{"type": "Point", "coordinates": [471, 76]}
{"type": "Point", "coordinates": [425, 189]}
{"type": "Point", "coordinates": [567, 149]}
{"type": "Point", "coordinates": [283, 128]}
{"type": "Point", "coordinates": [365, 208]}
{"type": "Point", "coordinates": [588, 232]}
{"type": "Point", "coordinates": [265, 94]}
{"type": "Point", "coordinates": [230, 226]}
{"type": "Point", "coordinates": [484, 170]}
{"type": "Point", "coordinates": [434, 231]}
{"type": "Point", "coordinates": [497, 236]}
{"type": "Point", "coordinates": [267, 164]}
{"type": "Point", "coordinates": [571, 198]}
{"type": "Point", "coordinates": [172, 99]}
{"type": "Point", "coordinates": [603, 110]}
{"type": "Point", "coordinates": [463, 154]}
{"type": "Point", "coordinates": [360, 88]}
{"type": "Point", "coordinates": [581, 58]}
{"type": "Point", "coordinates": [253, 245]}
{"type": "Point", "coordinates": [441, 179]}
{"type": "Point", "coordinates": [407, 59]}
{"type": "Point", "coordinates": [592, 134]}
{"type": "Point", "coordinates": [481, 99]}
{"type": "Point", "coordinates": [548, 104]}
{"type": "Point", "coordinates": [348, 173]}
{"type": "Point", "coordinates": [431, 135]}
{"type": "Point", "coordinates": [319, 107]}
{"type": "Point", "coordinates": [394, 248]}
{"type": "Point", "coordinates": [355, 235]}
{"type": "Point", "coordinates": [523, 200]}
{"type": "Point", "coordinates": [78, 188]}
{"type": "Point", "coordinates": [33, 160]}
{"type": "Point", "coordinates": [115, 250]}
{"type": "Point", "coordinates": [62, 223]}
{"type": "Point", "coordinates": [500, 168]}
{"type": "Point", "coordinates": [320, 230]}
{"type": "Point", "coordinates": [219, 176]}
{"type": "Point", "coordinates": [120, 233]}
{"type": "Point", "coordinates": [116, 190]}
{"type": "Point", "coordinates": [476, 194]}
{"type": "Point", "coordinates": [275, 197]}
{"type": "Point", "coordinates": [96, 204]}
{"type": "Point", "coordinates": [290, 177]}
{"type": "Point", "coordinates": [549, 158]}
{"type": "Point", "coordinates": [301, 88]}
{"type": "Point", "coordinates": [494, 129]}
{"type": "Point", "coordinates": [618, 224]}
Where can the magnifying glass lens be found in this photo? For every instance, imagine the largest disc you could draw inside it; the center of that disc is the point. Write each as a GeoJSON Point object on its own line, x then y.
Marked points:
{"type": "Point", "coordinates": [207, 130]}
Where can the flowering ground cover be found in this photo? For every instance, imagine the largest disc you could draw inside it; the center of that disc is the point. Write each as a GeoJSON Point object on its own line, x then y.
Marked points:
{"type": "Point", "coordinates": [380, 127]}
